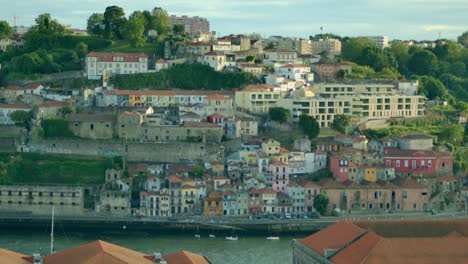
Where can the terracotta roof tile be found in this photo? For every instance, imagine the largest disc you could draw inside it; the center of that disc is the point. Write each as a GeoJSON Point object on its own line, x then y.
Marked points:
{"type": "Point", "coordinates": [15, 106]}
{"type": "Point", "coordinates": [11, 257]}
{"type": "Point", "coordinates": [52, 104]}
{"type": "Point", "coordinates": [357, 251]}
{"type": "Point", "coordinates": [97, 252]}
{"type": "Point", "coordinates": [332, 237]}
{"type": "Point", "coordinates": [185, 257]}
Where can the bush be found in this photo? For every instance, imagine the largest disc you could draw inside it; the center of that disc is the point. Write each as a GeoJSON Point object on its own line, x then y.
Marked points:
{"type": "Point", "coordinates": [56, 128]}
{"type": "Point", "coordinates": [184, 76]}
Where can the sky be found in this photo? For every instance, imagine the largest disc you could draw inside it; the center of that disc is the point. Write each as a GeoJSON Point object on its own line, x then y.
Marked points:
{"type": "Point", "coordinates": [397, 19]}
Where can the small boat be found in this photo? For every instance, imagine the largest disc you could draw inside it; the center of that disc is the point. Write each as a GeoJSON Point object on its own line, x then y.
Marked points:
{"type": "Point", "coordinates": [212, 236]}
{"type": "Point", "coordinates": [273, 238]}
{"type": "Point", "coordinates": [232, 238]}
{"type": "Point", "coordinates": [197, 236]}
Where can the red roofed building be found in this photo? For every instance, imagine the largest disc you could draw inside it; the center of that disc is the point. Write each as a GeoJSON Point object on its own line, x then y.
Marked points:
{"type": "Point", "coordinates": [418, 163]}
{"type": "Point", "coordinates": [115, 63]}
{"type": "Point", "coordinates": [370, 242]}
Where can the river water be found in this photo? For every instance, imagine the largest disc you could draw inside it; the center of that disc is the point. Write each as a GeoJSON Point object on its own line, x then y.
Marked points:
{"type": "Point", "coordinates": [248, 249]}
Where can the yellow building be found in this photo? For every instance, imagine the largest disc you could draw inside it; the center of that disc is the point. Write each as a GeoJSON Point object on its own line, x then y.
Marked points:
{"type": "Point", "coordinates": [258, 98]}
{"type": "Point", "coordinates": [214, 204]}
{"type": "Point", "coordinates": [271, 146]}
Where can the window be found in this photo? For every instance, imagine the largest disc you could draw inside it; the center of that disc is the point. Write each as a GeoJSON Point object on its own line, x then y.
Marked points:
{"type": "Point", "coordinates": [429, 163]}
{"type": "Point", "coordinates": [91, 126]}
{"type": "Point", "coordinates": [405, 194]}
{"type": "Point", "coordinates": [398, 164]}
{"type": "Point", "coordinates": [413, 164]}
{"type": "Point", "coordinates": [406, 163]}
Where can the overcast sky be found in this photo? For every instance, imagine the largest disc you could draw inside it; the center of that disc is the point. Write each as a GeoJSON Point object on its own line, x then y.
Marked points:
{"type": "Point", "coordinates": [402, 19]}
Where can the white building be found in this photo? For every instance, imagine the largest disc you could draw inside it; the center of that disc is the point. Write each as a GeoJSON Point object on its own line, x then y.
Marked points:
{"type": "Point", "coordinates": [296, 72]}
{"type": "Point", "coordinates": [115, 63]}
{"type": "Point", "coordinates": [381, 41]}
{"type": "Point", "coordinates": [155, 204]}
{"type": "Point", "coordinates": [160, 65]}
{"type": "Point", "coordinates": [7, 109]}
{"type": "Point", "coordinates": [215, 60]}
{"type": "Point", "coordinates": [280, 56]}
{"type": "Point", "coordinates": [408, 87]}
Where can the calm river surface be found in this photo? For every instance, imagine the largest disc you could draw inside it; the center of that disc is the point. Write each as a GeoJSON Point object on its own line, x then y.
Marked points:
{"type": "Point", "coordinates": [248, 249]}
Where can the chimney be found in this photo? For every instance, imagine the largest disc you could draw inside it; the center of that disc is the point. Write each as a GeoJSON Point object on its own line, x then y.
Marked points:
{"type": "Point", "coordinates": [158, 258]}
{"type": "Point", "coordinates": [37, 259]}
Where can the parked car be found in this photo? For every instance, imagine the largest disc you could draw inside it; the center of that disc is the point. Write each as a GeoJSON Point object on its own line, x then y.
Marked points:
{"type": "Point", "coordinates": [305, 217]}
{"type": "Point", "coordinates": [287, 216]}
{"type": "Point", "coordinates": [315, 215]}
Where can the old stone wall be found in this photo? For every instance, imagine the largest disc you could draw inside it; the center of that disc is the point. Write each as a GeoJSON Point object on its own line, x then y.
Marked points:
{"type": "Point", "coordinates": [176, 152]}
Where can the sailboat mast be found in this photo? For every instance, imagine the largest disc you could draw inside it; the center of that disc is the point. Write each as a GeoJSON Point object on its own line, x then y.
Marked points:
{"type": "Point", "coordinates": [52, 232]}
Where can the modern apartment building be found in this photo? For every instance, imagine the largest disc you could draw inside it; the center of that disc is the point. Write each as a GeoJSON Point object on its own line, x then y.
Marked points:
{"type": "Point", "coordinates": [258, 98]}
{"type": "Point", "coordinates": [192, 25]}
{"type": "Point", "coordinates": [115, 63]}
{"type": "Point", "coordinates": [332, 46]}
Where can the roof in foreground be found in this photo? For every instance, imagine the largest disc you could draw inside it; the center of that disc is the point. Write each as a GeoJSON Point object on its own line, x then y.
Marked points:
{"type": "Point", "coordinates": [185, 257]}
{"type": "Point", "coordinates": [11, 257]}
{"type": "Point", "coordinates": [97, 252]}
{"type": "Point", "coordinates": [393, 241]}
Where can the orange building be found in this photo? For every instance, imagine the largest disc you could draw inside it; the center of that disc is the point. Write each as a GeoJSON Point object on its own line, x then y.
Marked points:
{"type": "Point", "coordinates": [214, 204]}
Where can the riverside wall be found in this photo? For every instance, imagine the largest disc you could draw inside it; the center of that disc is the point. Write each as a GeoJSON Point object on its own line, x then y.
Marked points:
{"type": "Point", "coordinates": [174, 152]}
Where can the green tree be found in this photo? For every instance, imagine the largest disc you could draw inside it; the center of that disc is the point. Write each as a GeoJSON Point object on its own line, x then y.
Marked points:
{"type": "Point", "coordinates": [279, 114]}
{"type": "Point", "coordinates": [401, 53]}
{"type": "Point", "coordinates": [114, 20]}
{"type": "Point", "coordinates": [388, 74]}
{"type": "Point", "coordinates": [81, 49]}
{"type": "Point", "coordinates": [22, 118]}
{"type": "Point", "coordinates": [5, 30]}
{"type": "Point", "coordinates": [463, 39]}
{"type": "Point", "coordinates": [353, 48]}
{"type": "Point", "coordinates": [432, 87]}
{"type": "Point", "coordinates": [161, 22]}
{"type": "Point", "coordinates": [423, 62]}
{"type": "Point", "coordinates": [341, 123]}
{"type": "Point", "coordinates": [377, 58]}
{"type": "Point", "coordinates": [198, 171]}
{"type": "Point", "coordinates": [309, 126]}
{"type": "Point", "coordinates": [452, 134]}
{"type": "Point", "coordinates": [95, 25]}
{"type": "Point", "coordinates": [321, 203]}
{"type": "Point", "coordinates": [250, 58]}
{"type": "Point", "coordinates": [67, 110]}
{"type": "Point", "coordinates": [56, 128]}
{"type": "Point", "coordinates": [178, 29]}
{"type": "Point", "coordinates": [134, 29]}
{"type": "Point", "coordinates": [27, 63]}
{"type": "Point", "coordinates": [46, 33]}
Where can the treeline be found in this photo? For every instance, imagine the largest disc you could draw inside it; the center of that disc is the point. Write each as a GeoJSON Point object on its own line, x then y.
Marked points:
{"type": "Point", "coordinates": [184, 76]}
{"type": "Point", "coordinates": [113, 24]}
{"type": "Point", "coordinates": [48, 49]}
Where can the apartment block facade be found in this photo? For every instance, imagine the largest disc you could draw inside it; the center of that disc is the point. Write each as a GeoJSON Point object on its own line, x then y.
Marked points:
{"type": "Point", "coordinates": [97, 63]}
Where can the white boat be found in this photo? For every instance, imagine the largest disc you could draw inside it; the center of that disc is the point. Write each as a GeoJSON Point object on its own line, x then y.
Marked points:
{"type": "Point", "coordinates": [197, 236]}
{"type": "Point", "coordinates": [212, 236]}
{"type": "Point", "coordinates": [232, 238]}
{"type": "Point", "coordinates": [273, 238]}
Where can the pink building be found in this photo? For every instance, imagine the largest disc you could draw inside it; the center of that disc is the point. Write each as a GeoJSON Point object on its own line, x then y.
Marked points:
{"type": "Point", "coordinates": [310, 191]}
{"type": "Point", "coordinates": [339, 166]}
{"type": "Point", "coordinates": [401, 194]}
{"type": "Point", "coordinates": [418, 163]}
{"type": "Point", "coordinates": [278, 176]}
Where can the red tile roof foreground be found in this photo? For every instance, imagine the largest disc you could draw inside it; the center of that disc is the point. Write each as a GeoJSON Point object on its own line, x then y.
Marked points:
{"type": "Point", "coordinates": [97, 252]}
{"type": "Point", "coordinates": [333, 237]}
{"type": "Point", "coordinates": [101, 252]}
{"type": "Point", "coordinates": [412, 247]}
{"type": "Point", "coordinates": [15, 106]}
{"type": "Point", "coordinates": [11, 257]}
{"type": "Point", "coordinates": [185, 257]}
